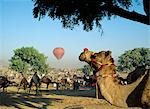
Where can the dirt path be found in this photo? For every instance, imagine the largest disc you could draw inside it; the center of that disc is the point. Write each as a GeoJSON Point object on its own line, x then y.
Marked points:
{"type": "Point", "coordinates": [52, 100]}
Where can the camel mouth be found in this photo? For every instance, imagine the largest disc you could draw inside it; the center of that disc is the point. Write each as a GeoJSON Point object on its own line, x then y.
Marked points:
{"type": "Point", "coordinates": [81, 57]}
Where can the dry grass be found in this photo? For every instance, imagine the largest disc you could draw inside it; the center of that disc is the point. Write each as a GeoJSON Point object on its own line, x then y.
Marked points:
{"type": "Point", "coordinates": [52, 99]}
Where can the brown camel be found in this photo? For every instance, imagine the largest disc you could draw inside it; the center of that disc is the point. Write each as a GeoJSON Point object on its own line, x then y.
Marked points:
{"type": "Point", "coordinates": [23, 83]}
{"type": "Point", "coordinates": [46, 80]}
{"type": "Point", "coordinates": [134, 94]}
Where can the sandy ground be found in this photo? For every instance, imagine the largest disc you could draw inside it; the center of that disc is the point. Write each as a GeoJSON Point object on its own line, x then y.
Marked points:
{"type": "Point", "coordinates": [52, 99]}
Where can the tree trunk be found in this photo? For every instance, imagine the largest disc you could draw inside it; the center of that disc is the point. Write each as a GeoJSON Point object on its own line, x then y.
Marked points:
{"type": "Point", "coordinates": [146, 6]}
{"type": "Point", "coordinates": [134, 16]}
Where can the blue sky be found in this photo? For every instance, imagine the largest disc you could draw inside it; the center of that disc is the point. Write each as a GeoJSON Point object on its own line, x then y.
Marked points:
{"type": "Point", "coordinates": [18, 28]}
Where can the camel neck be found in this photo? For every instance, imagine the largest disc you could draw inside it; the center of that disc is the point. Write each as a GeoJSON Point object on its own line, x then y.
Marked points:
{"type": "Point", "coordinates": [107, 69]}
{"type": "Point", "coordinates": [106, 73]}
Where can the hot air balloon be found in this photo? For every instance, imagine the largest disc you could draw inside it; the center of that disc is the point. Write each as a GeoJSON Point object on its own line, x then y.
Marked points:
{"type": "Point", "coordinates": [58, 52]}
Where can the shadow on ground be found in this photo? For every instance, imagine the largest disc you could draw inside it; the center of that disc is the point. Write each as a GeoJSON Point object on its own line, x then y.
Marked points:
{"type": "Point", "coordinates": [18, 100]}
{"type": "Point", "coordinates": [78, 93]}
{"type": "Point", "coordinates": [23, 100]}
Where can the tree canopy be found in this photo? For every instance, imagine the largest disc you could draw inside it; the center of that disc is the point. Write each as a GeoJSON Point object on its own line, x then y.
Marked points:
{"type": "Point", "coordinates": [89, 12]}
{"type": "Point", "coordinates": [87, 70]}
{"type": "Point", "coordinates": [131, 59]}
{"type": "Point", "coordinates": [28, 59]}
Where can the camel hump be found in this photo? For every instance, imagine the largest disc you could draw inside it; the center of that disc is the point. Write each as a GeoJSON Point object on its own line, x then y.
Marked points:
{"type": "Point", "coordinates": [136, 74]}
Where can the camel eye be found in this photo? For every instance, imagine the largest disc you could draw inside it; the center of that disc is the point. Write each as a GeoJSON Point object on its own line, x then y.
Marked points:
{"type": "Point", "coordinates": [93, 57]}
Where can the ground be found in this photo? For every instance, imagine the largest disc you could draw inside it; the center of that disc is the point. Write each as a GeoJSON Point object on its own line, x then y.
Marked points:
{"type": "Point", "coordinates": [52, 99]}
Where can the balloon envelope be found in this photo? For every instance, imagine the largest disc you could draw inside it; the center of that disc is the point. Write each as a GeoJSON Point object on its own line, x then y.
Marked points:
{"type": "Point", "coordinates": [58, 52]}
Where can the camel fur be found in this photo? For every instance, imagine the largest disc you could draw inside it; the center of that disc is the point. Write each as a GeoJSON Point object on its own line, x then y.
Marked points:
{"type": "Point", "coordinates": [134, 94]}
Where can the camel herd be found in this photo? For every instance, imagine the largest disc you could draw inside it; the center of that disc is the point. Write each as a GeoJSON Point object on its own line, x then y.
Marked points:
{"type": "Point", "coordinates": [134, 93]}
{"type": "Point", "coordinates": [36, 81]}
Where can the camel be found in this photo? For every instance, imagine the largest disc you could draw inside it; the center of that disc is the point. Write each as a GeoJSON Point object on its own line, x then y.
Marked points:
{"type": "Point", "coordinates": [4, 83]}
{"type": "Point", "coordinates": [133, 94]}
{"type": "Point", "coordinates": [35, 80]}
{"type": "Point", "coordinates": [46, 80]}
{"type": "Point", "coordinates": [23, 83]}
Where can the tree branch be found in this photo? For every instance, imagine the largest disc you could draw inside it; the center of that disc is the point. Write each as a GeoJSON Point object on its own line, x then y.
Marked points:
{"type": "Point", "coordinates": [129, 15]}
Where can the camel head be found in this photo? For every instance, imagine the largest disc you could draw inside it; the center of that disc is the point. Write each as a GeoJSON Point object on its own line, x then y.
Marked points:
{"type": "Point", "coordinates": [102, 58]}
{"type": "Point", "coordinates": [103, 63]}
{"type": "Point", "coordinates": [96, 60]}
{"type": "Point", "coordinates": [86, 55]}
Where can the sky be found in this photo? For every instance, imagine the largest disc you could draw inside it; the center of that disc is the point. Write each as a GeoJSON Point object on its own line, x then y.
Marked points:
{"type": "Point", "coordinates": [19, 29]}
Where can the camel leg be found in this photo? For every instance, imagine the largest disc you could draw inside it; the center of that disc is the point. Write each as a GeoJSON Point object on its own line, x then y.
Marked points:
{"type": "Point", "coordinates": [26, 88]}
{"type": "Point", "coordinates": [4, 89]}
{"type": "Point", "coordinates": [36, 89]}
{"type": "Point", "coordinates": [39, 89]}
{"type": "Point", "coordinates": [18, 89]}
{"type": "Point", "coordinates": [47, 86]}
{"type": "Point", "coordinates": [30, 85]}
{"type": "Point", "coordinates": [39, 86]}
{"type": "Point", "coordinates": [57, 86]}
{"type": "Point", "coordinates": [96, 90]}
{"type": "Point", "coordinates": [30, 89]}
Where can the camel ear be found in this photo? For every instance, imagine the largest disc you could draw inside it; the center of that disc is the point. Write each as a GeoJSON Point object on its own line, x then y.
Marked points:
{"type": "Point", "coordinates": [107, 53]}
{"type": "Point", "coordinates": [108, 56]}
{"type": "Point", "coordinates": [112, 60]}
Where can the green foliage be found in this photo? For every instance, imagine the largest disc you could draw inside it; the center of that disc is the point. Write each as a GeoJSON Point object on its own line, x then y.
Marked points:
{"type": "Point", "coordinates": [87, 70]}
{"type": "Point", "coordinates": [89, 13]}
{"type": "Point", "coordinates": [19, 65]}
{"type": "Point", "coordinates": [75, 12]}
{"type": "Point", "coordinates": [133, 58]}
{"type": "Point", "coordinates": [28, 59]}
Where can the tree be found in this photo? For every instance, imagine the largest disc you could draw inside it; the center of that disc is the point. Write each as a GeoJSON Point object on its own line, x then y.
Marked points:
{"type": "Point", "coordinates": [89, 12]}
{"type": "Point", "coordinates": [134, 58]}
{"type": "Point", "coordinates": [28, 59]}
{"type": "Point", "coordinates": [87, 70]}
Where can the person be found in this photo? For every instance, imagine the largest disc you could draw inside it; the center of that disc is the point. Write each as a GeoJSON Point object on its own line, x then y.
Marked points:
{"type": "Point", "coordinates": [75, 83]}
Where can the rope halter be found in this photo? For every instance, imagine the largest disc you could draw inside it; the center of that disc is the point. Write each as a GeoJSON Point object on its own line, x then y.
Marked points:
{"type": "Point", "coordinates": [102, 66]}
